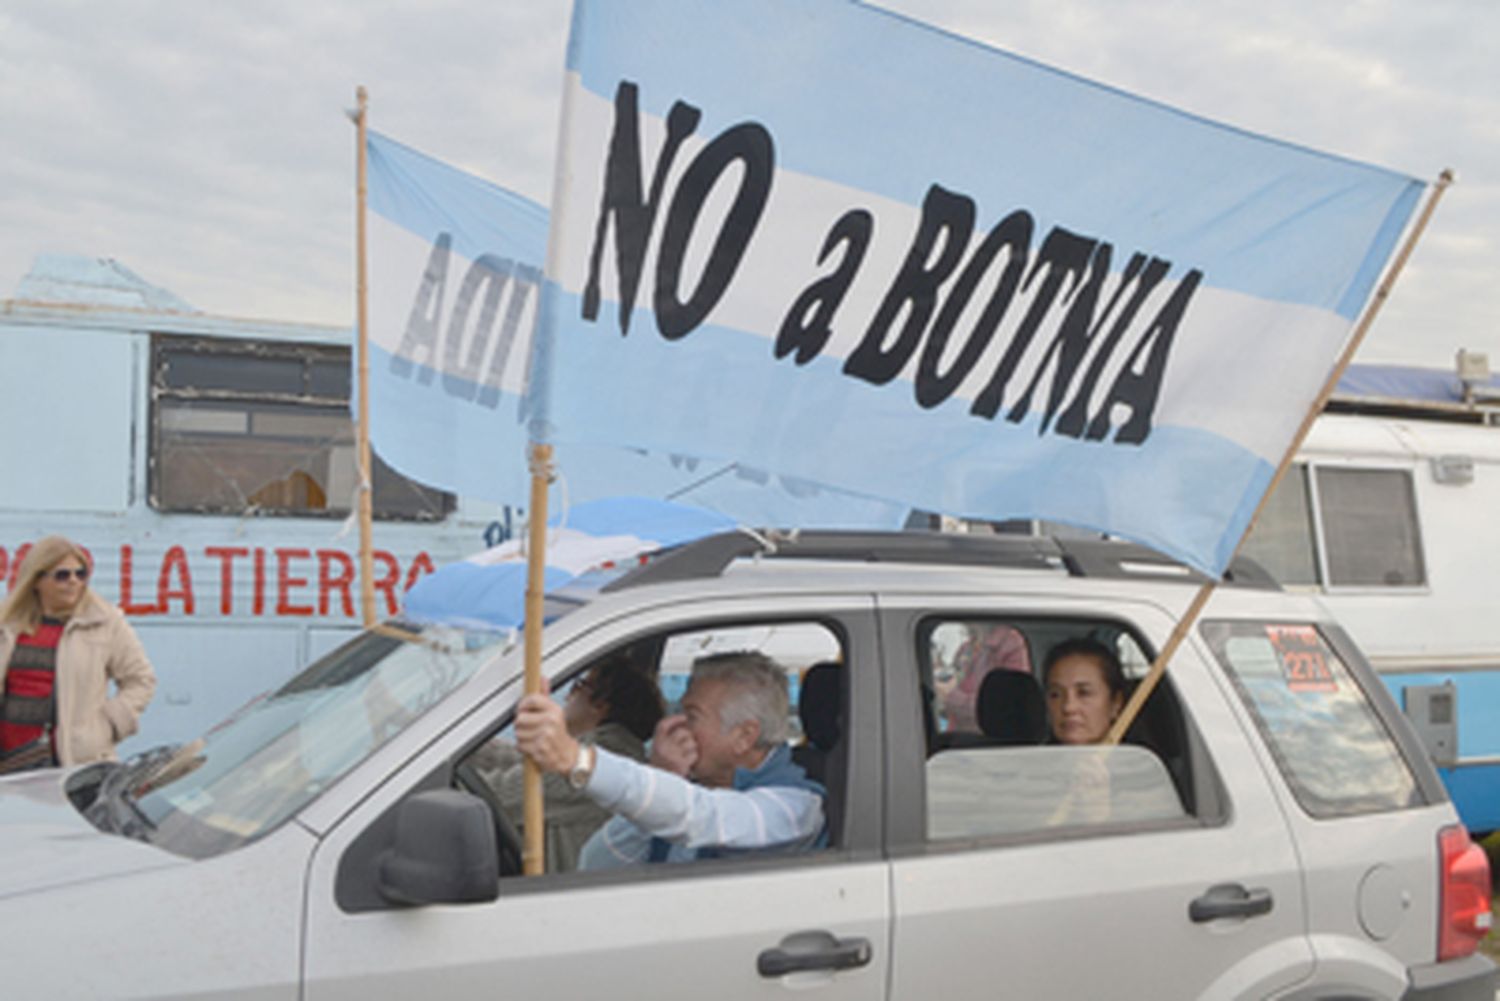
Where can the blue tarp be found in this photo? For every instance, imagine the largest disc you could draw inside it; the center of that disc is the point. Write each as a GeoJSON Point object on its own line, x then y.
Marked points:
{"type": "Point", "coordinates": [1406, 382]}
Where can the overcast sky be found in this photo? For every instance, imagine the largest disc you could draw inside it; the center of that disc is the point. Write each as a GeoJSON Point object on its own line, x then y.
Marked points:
{"type": "Point", "coordinates": [203, 145]}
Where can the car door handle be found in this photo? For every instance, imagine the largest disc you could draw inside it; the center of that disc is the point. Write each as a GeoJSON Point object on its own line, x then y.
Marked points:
{"type": "Point", "coordinates": [813, 950]}
{"type": "Point", "coordinates": [1230, 900]}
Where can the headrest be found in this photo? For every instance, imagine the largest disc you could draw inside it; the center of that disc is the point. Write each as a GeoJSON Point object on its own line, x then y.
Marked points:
{"type": "Point", "coordinates": [820, 703]}
{"type": "Point", "coordinates": [1011, 708]}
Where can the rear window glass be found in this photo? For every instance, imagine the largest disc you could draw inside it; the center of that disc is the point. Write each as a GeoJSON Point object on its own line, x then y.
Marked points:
{"type": "Point", "coordinates": [1334, 751]}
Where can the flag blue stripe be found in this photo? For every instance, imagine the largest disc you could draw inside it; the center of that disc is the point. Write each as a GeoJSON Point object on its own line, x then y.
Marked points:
{"type": "Point", "coordinates": [431, 437]}
{"type": "Point", "coordinates": [646, 518]}
{"type": "Point", "coordinates": [1185, 491]}
{"type": "Point", "coordinates": [429, 197]}
{"type": "Point", "coordinates": [427, 435]}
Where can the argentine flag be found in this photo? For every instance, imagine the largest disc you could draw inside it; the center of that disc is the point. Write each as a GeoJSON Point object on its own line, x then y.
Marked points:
{"type": "Point", "coordinates": [836, 244]}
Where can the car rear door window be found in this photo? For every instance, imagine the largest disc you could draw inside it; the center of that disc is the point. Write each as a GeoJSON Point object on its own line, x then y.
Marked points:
{"type": "Point", "coordinates": [994, 768]}
{"type": "Point", "coordinates": [1335, 753]}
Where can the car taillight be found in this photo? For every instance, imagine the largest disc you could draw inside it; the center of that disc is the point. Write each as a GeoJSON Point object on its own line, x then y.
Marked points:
{"type": "Point", "coordinates": [1464, 911]}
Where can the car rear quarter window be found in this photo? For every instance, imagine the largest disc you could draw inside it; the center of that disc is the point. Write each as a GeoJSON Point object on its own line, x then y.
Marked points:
{"type": "Point", "coordinates": [1328, 740]}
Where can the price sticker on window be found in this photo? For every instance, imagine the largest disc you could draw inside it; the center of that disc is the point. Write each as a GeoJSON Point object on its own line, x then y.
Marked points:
{"type": "Point", "coordinates": [1299, 650]}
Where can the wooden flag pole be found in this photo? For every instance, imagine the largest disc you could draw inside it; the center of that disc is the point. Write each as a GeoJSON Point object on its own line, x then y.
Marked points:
{"type": "Point", "coordinates": [362, 429]}
{"type": "Point", "coordinates": [533, 849]}
{"type": "Point", "coordinates": [1382, 292]}
{"type": "Point", "coordinates": [533, 853]}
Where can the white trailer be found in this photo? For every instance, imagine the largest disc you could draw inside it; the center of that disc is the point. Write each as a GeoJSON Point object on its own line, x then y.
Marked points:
{"type": "Point", "coordinates": [1390, 516]}
{"type": "Point", "coordinates": [207, 464]}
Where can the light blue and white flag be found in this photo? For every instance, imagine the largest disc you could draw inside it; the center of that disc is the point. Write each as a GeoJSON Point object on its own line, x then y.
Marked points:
{"type": "Point", "coordinates": [455, 270]}
{"type": "Point", "coordinates": [489, 590]}
{"type": "Point", "coordinates": [455, 267]}
{"type": "Point", "coordinates": [840, 245]}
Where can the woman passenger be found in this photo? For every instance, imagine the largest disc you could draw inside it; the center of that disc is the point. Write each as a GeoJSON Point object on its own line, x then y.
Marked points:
{"type": "Point", "coordinates": [61, 646]}
{"type": "Point", "coordinates": [1085, 687]}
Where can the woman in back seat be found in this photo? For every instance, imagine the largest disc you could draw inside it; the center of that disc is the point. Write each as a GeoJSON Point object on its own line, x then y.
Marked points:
{"type": "Point", "coordinates": [1085, 688]}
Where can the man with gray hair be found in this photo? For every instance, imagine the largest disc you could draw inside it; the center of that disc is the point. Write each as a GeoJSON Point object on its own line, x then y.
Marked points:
{"type": "Point", "coordinates": [720, 782]}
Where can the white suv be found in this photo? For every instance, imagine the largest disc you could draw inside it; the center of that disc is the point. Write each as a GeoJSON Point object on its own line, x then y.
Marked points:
{"type": "Point", "coordinates": [1269, 828]}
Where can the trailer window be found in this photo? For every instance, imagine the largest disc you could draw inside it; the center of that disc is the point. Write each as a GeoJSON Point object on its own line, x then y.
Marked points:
{"type": "Point", "coordinates": [256, 426]}
{"type": "Point", "coordinates": [1366, 520]}
{"type": "Point", "coordinates": [1283, 538]}
{"type": "Point", "coordinates": [1370, 527]}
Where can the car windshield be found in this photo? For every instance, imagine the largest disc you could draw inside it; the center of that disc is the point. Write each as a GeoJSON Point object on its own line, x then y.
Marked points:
{"type": "Point", "coordinates": [270, 759]}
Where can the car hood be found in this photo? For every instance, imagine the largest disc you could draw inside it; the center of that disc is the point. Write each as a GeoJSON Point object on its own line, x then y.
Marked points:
{"type": "Point", "coordinates": [47, 843]}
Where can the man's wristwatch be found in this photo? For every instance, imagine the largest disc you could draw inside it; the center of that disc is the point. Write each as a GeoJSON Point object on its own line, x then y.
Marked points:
{"type": "Point", "coordinates": [583, 767]}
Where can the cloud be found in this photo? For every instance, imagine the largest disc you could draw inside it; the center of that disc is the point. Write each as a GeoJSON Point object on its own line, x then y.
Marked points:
{"type": "Point", "coordinates": [204, 145]}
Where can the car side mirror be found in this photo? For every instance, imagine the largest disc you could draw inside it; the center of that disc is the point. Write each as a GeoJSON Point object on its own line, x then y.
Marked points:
{"type": "Point", "coordinates": [443, 851]}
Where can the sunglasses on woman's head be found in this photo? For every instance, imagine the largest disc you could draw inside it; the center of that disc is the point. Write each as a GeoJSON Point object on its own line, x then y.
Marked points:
{"type": "Point", "coordinates": [63, 574]}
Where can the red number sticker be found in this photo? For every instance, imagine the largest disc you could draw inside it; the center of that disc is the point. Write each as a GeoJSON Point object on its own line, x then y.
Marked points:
{"type": "Point", "coordinates": [1300, 652]}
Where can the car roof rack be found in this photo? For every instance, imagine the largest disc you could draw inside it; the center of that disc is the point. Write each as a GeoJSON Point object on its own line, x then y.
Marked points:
{"type": "Point", "coordinates": [1096, 558]}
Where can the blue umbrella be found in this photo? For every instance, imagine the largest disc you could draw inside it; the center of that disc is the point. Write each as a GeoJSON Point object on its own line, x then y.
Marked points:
{"type": "Point", "coordinates": [489, 589]}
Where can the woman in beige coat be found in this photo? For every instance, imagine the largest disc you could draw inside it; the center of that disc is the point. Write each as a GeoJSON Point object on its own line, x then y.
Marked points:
{"type": "Point", "coordinates": [61, 646]}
